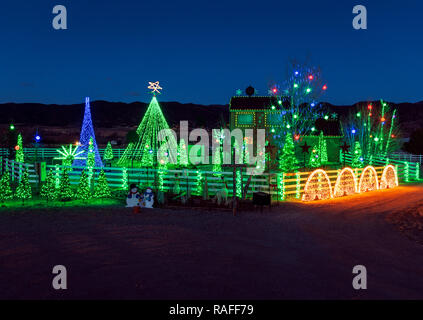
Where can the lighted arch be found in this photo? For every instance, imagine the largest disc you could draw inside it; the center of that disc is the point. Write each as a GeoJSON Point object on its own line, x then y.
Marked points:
{"type": "Point", "coordinates": [346, 183]}
{"type": "Point", "coordinates": [389, 178]}
{"type": "Point", "coordinates": [368, 180]}
{"type": "Point", "coordinates": [317, 187]}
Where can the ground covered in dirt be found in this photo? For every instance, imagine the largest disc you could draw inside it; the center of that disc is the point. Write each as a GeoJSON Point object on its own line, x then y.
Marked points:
{"type": "Point", "coordinates": [294, 251]}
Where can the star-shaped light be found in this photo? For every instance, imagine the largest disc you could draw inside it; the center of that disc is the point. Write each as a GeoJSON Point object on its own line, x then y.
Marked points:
{"type": "Point", "coordinates": [305, 147]}
{"type": "Point", "coordinates": [238, 92]}
{"type": "Point", "coordinates": [154, 86]}
{"type": "Point", "coordinates": [345, 148]}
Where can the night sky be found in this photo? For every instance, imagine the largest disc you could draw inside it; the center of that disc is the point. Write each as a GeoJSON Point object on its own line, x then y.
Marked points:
{"type": "Point", "coordinates": [202, 51]}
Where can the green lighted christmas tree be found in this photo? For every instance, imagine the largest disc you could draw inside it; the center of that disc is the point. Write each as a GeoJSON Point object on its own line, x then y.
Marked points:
{"type": "Point", "coordinates": [319, 153]}
{"type": "Point", "coordinates": [108, 153]}
{"type": "Point", "coordinates": [48, 190]}
{"type": "Point", "coordinates": [102, 189]}
{"type": "Point", "coordinates": [218, 136]}
{"type": "Point", "coordinates": [24, 191]}
{"type": "Point", "coordinates": [144, 152]}
{"type": "Point", "coordinates": [19, 149]}
{"type": "Point", "coordinates": [5, 189]}
{"type": "Point", "coordinates": [357, 161]}
{"type": "Point", "coordinates": [83, 192]}
{"type": "Point", "coordinates": [323, 148]}
{"type": "Point", "coordinates": [315, 160]}
{"type": "Point", "coordinates": [91, 154]}
{"type": "Point", "coordinates": [183, 153]}
{"type": "Point", "coordinates": [288, 161]}
{"type": "Point", "coordinates": [65, 189]}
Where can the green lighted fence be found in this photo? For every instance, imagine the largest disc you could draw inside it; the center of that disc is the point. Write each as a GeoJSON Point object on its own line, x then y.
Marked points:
{"type": "Point", "coordinates": [407, 171]}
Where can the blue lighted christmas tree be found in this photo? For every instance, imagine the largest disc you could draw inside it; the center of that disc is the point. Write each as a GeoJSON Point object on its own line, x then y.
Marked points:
{"type": "Point", "coordinates": [87, 132]}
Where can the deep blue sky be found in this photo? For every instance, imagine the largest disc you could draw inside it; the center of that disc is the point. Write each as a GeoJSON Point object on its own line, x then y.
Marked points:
{"type": "Point", "coordinates": [202, 51]}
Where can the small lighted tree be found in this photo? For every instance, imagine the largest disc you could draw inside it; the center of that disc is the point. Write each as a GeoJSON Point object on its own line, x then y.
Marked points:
{"type": "Point", "coordinates": [91, 154]}
{"type": "Point", "coordinates": [183, 153]}
{"type": "Point", "coordinates": [49, 190]}
{"type": "Point", "coordinates": [323, 149]}
{"type": "Point", "coordinates": [304, 86]}
{"type": "Point", "coordinates": [288, 161]}
{"type": "Point", "coordinates": [375, 126]}
{"type": "Point", "coordinates": [19, 150]}
{"type": "Point", "coordinates": [108, 152]}
{"type": "Point", "coordinates": [84, 191]}
{"type": "Point", "coordinates": [315, 158]}
{"type": "Point", "coordinates": [357, 160]}
{"type": "Point", "coordinates": [65, 189]}
{"type": "Point", "coordinates": [5, 189]}
{"type": "Point", "coordinates": [102, 189]}
{"type": "Point", "coordinates": [24, 191]}
{"type": "Point", "coordinates": [219, 137]}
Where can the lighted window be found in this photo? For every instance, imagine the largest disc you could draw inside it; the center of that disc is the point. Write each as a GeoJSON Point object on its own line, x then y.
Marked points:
{"type": "Point", "coordinates": [245, 119]}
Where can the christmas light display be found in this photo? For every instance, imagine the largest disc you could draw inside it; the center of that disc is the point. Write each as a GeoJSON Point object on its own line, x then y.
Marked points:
{"type": "Point", "coordinates": [368, 180]}
{"type": "Point", "coordinates": [19, 150]}
{"type": "Point", "coordinates": [24, 191]}
{"type": "Point", "coordinates": [389, 178]}
{"type": "Point", "coordinates": [102, 189]}
{"type": "Point", "coordinates": [182, 153]}
{"type": "Point", "coordinates": [49, 190]}
{"type": "Point", "coordinates": [87, 133]}
{"type": "Point", "coordinates": [57, 176]}
{"type": "Point", "coordinates": [199, 189]}
{"type": "Point", "coordinates": [357, 160]}
{"type": "Point", "coordinates": [5, 189]}
{"type": "Point", "coordinates": [65, 189]}
{"type": "Point", "coordinates": [319, 153]}
{"type": "Point", "coordinates": [346, 183]}
{"type": "Point", "coordinates": [288, 161]}
{"type": "Point", "coordinates": [219, 137]}
{"type": "Point", "coordinates": [84, 191]}
{"type": "Point", "coordinates": [144, 152]}
{"type": "Point", "coordinates": [108, 152]}
{"type": "Point", "coordinates": [70, 155]}
{"type": "Point", "coordinates": [375, 127]}
{"type": "Point", "coordinates": [298, 185]}
{"type": "Point", "coordinates": [154, 86]}
{"type": "Point", "coordinates": [317, 187]}
{"type": "Point", "coordinates": [304, 88]}
{"type": "Point", "coordinates": [124, 179]}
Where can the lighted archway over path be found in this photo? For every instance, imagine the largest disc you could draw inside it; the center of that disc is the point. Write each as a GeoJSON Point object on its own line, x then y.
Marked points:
{"type": "Point", "coordinates": [346, 183]}
{"type": "Point", "coordinates": [317, 187]}
{"type": "Point", "coordinates": [389, 178]}
{"type": "Point", "coordinates": [368, 180]}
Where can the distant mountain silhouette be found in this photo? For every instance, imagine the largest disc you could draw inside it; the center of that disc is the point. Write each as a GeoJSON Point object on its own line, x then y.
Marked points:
{"type": "Point", "coordinates": [112, 120]}
{"type": "Point", "coordinates": [108, 114]}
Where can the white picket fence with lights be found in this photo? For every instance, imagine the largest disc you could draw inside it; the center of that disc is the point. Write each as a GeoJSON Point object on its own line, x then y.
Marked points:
{"type": "Point", "coordinates": [281, 186]}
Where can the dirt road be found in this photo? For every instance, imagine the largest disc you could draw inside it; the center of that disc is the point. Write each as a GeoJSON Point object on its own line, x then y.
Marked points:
{"type": "Point", "coordinates": [296, 250]}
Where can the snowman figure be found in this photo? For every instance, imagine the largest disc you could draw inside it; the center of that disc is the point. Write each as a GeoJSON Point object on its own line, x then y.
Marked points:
{"type": "Point", "coordinates": [133, 198]}
{"type": "Point", "coordinates": [148, 198]}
